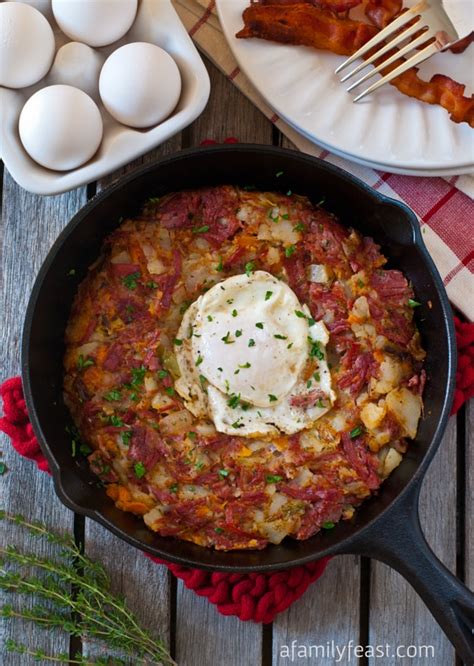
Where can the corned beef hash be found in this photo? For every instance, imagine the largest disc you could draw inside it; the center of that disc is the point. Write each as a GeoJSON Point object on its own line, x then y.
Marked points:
{"type": "Point", "coordinates": [241, 367]}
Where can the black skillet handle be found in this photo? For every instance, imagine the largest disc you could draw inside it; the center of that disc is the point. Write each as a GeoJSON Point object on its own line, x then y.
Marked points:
{"type": "Point", "coordinates": [397, 540]}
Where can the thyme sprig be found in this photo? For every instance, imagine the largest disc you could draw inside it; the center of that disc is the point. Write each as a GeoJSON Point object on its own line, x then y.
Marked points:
{"type": "Point", "coordinates": [78, 600]}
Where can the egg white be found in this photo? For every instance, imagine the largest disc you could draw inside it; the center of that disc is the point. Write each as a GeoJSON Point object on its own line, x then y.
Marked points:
{"type": "Point", "coordinates": [245, 348]}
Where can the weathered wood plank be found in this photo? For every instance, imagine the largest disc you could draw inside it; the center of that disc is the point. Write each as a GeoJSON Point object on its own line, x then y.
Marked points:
{"type": "Point", "coordinates": [397, 615]}
{"type": "Point", "coordinates": [228, 114]}
{"type": "Point", "coordinates": [469, 506]}
{"type": "Point", "coordinates": [30, 225]}
{"type": "Point", "coordinates": [145, 585]}
{"type": "Point", "coordinates": [327, 614]}
{"type": "Point", "coordinates": [205, 637]}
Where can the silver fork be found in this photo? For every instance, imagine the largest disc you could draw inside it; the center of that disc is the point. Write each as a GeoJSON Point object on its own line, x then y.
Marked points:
{"type": "Point", "coordinates": [429, 17]}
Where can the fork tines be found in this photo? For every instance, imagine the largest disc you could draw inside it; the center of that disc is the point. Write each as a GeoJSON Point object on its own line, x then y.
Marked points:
{"type": "Point", "coordinates": [419, 24]}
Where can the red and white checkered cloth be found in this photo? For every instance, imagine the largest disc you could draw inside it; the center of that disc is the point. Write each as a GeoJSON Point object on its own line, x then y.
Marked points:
{"type": "Point", "coordinates": [445, 207]}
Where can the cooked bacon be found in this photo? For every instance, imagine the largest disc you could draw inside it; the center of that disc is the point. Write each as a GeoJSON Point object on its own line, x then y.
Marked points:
{"type": "Point", "coordinates": [146, 446]}
{"type": "Point", "coordinates": [307, 399]}
{"type": "Point", "coordinates": [363, 462]}
{"type": "Point", "coordinates": [317, 514]}
{"type": "Point", "coordinates": [101, 465]}
{"type": "Point", "coordinates": [309, 493]}
{"type": "Point", "coordinates": [330, 305]}
{"type": "Point", "coordinates": [295, 267]}
{"type": "Point", "coordinates": [381, 12]}
{"type": "Point", "coordinates": [462, 45]}
{"type": "Point", "coordinates": [305, 25]}
{"type": "Point", "coordinates": [114, 357]}
{"type": "Point", "coordinates": [123, 270]}
{"type": "Point", "coordinates": [177, 210]}
{"type": "Point", "coordinates": [331, 5]}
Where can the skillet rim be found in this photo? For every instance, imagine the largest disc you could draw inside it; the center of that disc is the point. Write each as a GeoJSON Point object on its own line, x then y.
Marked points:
{"type": "Point", "coordinates": [411, 486]}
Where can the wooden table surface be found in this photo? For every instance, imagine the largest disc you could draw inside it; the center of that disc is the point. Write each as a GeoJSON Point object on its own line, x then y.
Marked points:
{"type": "Point", "coordinates": [356, 600]}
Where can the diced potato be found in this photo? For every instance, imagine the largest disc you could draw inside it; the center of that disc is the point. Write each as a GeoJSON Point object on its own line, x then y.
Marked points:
{"type": "Point", "coordinates": [273, 256]}
{"type": "Point", "coordinates": [318, 273]}
{"type": "Point", "coordinates": [391, 372]}
{"type": "Point", "coordinates": [360, 309]}
{"type": "Point", "coordinates": [406, 408]}
{"type": "Point", "coordinates": [161, 401]}
{"type": "Point", "coordinates": [121, 258]}
{"type": "Point", "coordinates": [150, 384]}
{"type": "Point", "coordinates": [392, 460]}
{"type": "Point", "coordinates": [156, 267]}
{"type": "Point", "coordinates": [372, 415]}
{"type": "Point", "coordinates": [176, 422]}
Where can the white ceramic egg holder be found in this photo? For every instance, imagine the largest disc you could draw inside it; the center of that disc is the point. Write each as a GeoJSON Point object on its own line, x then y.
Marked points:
{"type": "Point", "coordinates": [156, 22]}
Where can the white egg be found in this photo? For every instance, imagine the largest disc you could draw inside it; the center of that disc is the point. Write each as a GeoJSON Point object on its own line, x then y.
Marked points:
{"type": "Point", "coordinates": [43, 6]}
{"type": "Point", "coordinates": [252, 358]}
{"type": "Point", "coordinates": [60, 127]}
{"type": "Point", "coordinates": [140, 84]}
{"type": "Point", "coordinates": [26, 45]}
{"type": "Point", "coordinates": [95, 22]}
{"type": "Point", "coordinates": [77, 65]}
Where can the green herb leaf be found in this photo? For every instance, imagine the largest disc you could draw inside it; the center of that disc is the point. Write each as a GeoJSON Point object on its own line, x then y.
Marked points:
{"type": "Point", "coordinates": [226, 339]}
{"type": "Point", "coordinates": [259, 324]}
{"type": "Point", "coordinates": [234, 313]}
{"type": "Point", "coordinates": [223, 473]}
{"type": "Point", "coordinates": [272, 397]}
{"type": "Point", "coordinates": [130, 281]}
{"type": "Point", "coordinates": [280, 337]}
{"type": "Point", "coordinates": [220, 266]}
{"type": "Point", "coordinates": [113, 396]}
{"type": "Point", "coordinates": [249, 267]}
{"type": "Point", "coordinates": [178, 342]}
{"type": "Point", "coordinates": [290, 250]}
{"type": "Point", "coordinates": [355, 432]}
{"type": "Point", "coordinates": [251, 342]}
{"type": "Point", "coordinates": [300, 314]}
{"type": "Point", "coordinates": [139, 469]}
{"type": "Point", "coordinates": [199, 360]}
{"type": "Point", "coordinates": [299, 227]}
{"type": "Point", "coordinates": [201, 230]}
{"type": "Point", "coordinates": [328, 525]}
{"type": "Point", "coordinates": [192, 435]}
{"type": "Point", "coordinates": [273, 478]}
{"type": "Point", "coordinates": [413, 304]}
{"type": "Point", "coordinates": [268, 295]}
{"type": "Point", "coordinates": [170, 390]}
{"type": "Point", "coordinates": [279, 173]}
{"type": "Point", "coordinates": [84, 362]}
{"type": "Point", "coordinates": [126, 436]}
{"type": "Point", "coordinates": [218, 530]}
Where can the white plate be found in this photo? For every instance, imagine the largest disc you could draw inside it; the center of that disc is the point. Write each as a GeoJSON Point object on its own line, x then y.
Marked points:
{"type": "Point", "coordinates": [387, 130]}
{"type": "Point", "coordinates": [156, 22]}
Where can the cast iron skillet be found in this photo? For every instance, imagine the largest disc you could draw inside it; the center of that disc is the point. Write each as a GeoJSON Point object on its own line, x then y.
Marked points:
{"type": "Point", "coordinates": [386, 527]}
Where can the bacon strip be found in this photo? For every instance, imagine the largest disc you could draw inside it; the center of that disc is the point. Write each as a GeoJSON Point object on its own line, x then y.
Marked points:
{"type": "Point", "coordinates": [331, 5]}
{"type": "Point", "coordinates": [305, 25]}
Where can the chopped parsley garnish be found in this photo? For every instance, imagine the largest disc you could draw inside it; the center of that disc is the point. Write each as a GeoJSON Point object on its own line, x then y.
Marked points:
{"type": "Point", "coordinates": [192, 435]}
{"type": "Point", "coordinates": [279, 173]}
{"type": "Point", "coordinates": [413, 304]}
{"type": "Point", "coordinates": [311, 321]}
{"type": "Point", "coordinates": [300, 314]}
{"type": "Point", "coordinates": [169, 390]}
{"type": "Point", "coordinates": [291, 249]}
{"type": "Point", "coordinates": [130, 281]}
{"type": "Point", "coordinates": [280, 337]}
{"type": "Point", "coordinates": [223, 473]}
{"type": "Point", "coordinates": [201, 230]}
{"type": "Point", "coordinates": [227, 339]}
{"type": "Point", "coordinates": [234, 313]}
{"type": "Point", "coordinates": [320, 203]}
{"type": "Point", "coordinates": [139, 469]}
{"type": "Point", "coordinates": [360, 283]}
{"type": "Point", "coordinates": [309, 383]}
{"type": "Point", "coordinates": [249, 267]}
{"type": "Point", "coordinates": [268, 295]}
{"type": "Point", "coordinates": [202, 379]}
{"type": "Point", "coordinates": [328, 525]}
{"type": "Point", "coordinates": [245, 365]}
{"type": "Point", "coordinates": [317, 376]}
{"type": "Point", "coordinates": [289, 346]}
{"type": "Point", "coordinates": [233, 401]}
{"type": "Point", "coordinates": [355, 432]}
{"type": "Point", "coordinates": [115, 421]}
{"type": "Point", "coordinates": [73, 449]}
{"type": "Point", "coordinates": [210, 318]}
{"type": "Point", "coordinates": [229, 301]}
{"type": "Point", "coordinates": [153, 285]}
{"type": "Point", "coordinates": [126, 436]}
{"type": "Point", "coordinates": [72, 271]}
{"type": "Point", "coordinates": [184, 306]}
{"type": "Point", "coordinates": [174, 488]}
{"type": "Point", "coordinates": [178, 342]}
{"type": "Point", "coordinates": [273, 478]}
{"type": "Point", "coordinates": [138, 375]}
{"type": "Point", "coordinates": [84, 362]}
{"type": "Point", "coordinates": [218, 530]}
{"type": "Point", "coordinates": [199, 360]}
{"type": "Point", "coordinates": [134, 396]}
{"type": "Point", "coordinates": [113, 396]}
{"type": "Point", "coordinates": [272, 397]}
{"type": "Point", "coordinates": [220, 265]}
{"type": "Point", "coordinates": [251, 342]}
{"type": "Point", "coordinates": [238, 333]}
{"type": "Point", "coordinates": [162, 374]}
{"type": "Point", "coordinates": [315, 350]}
{"type": "Point", "coordinates": [199, 465]}
{"type": "Point", "coordinates": [153, 200]}
{"type": "Point", "coordinates": [299, 227]}
{"type": "Point", "coordinates": [236, 424]}
{"type": "Point", "coordinates": [259, 324]}
{"type": "Point", "coordinates": [320, 404]}
{"type": "Point", "coordinates": [286, 216]}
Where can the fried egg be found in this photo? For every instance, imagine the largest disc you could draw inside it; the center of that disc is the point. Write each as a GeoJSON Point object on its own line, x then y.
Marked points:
{"type": "Point", "coordinates": [252, 359]}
